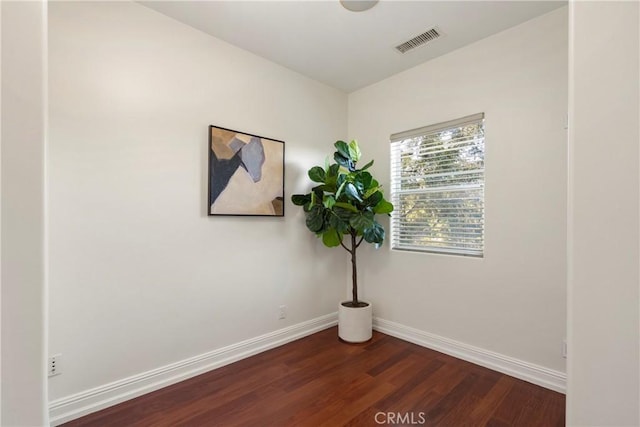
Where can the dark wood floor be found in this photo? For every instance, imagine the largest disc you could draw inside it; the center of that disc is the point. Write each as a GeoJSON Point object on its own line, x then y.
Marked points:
{"type": "Point", "coordinates": [320, 381]}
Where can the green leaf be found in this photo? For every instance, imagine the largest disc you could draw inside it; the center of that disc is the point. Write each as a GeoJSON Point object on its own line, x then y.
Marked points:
{"type": "Point", "coordinates": [359, 185]}
{"type": "Point", "coordinates": [338, 222]}
{"type": "Point", "coordinates": [315, 218]}
{"type": "Point", "coordinates": [371, 191]}
{"type": "Point", "coordinates": [383, 207]}
{"type": "Point", "coordinates": [300, 199]}
{"type": "Point", "coordinates": [374, 234]}
{"type": "Point", "coordinates": [343, 149]}
{"type": "Point", "coordinates": [340, 189]}
{"type": "Point", "coordinates": [367, 166]}
{"type": "Point", "coordinates": [318, 192]}
{"type": "Point", "coordinates": [354, 151]}
{"type": "Point", "coordinates": [328, 202]}
{"type": "Point", "coordinates": [343, 214]}
{"type": "Point", "coordinates": [374, 199]}
{"type": "Point", "coordinates": [346, 206]}
{"type": "Point", "coordinates": [323, 188]}
{"type": "Point", "coordinates": [317, 174]}
{"type": "Point", "coordinates": [362, 221]}
{"type": "Point", "coordinates": [331, 238]}
{"type": "Point", "coordinates": [343, 161]}
{"type": "Point", "coordinates": [366, 179]}
{"type": "Point", "coordinates": [333, 171]}
{"type": "Point", "coordinates": [351, 191]}
{"type": "Point", "coordinates": [332, 175]}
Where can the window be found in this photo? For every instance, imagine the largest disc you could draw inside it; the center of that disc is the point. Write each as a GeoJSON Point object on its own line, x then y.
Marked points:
{"type": "Point", "coordinates": [437, 188]}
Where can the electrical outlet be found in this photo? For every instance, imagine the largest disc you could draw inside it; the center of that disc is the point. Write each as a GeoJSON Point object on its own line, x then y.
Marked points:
{"type": "Point", "coordinates": [282, 312]}
{"type": "Point", "coordinates": [564, 348]}
{"type": "Point", "coordinates": [55, 365]}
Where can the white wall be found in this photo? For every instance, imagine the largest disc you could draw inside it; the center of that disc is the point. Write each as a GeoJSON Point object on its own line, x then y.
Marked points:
{"type": "Point", "coordinates": [604, 256]}
{"type": "Point", "coordinates": [512, 301]}
{"type": "Point", "coordinates": [140, 277]}
{"type": "Point", "coordinates": [24, 397]}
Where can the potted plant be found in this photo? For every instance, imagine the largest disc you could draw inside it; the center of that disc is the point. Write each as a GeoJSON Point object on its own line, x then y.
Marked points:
{"type": "Point", "coordinates": [342, 207]}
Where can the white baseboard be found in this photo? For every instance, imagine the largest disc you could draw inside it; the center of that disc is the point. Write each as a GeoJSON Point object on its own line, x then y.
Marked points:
{"type": "Point", "coordinates": [544, 377]}
{"type": "Point", "coordinates": [92, 400]}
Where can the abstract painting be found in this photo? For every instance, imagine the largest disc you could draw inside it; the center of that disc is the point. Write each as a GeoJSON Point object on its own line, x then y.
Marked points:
{"type": "Point", "coordinates": [246, 174]}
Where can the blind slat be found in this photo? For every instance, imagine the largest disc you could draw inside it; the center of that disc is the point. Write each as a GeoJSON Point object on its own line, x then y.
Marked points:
{"type": "Point", "coordinates": [415, 230]}
{"type": "Point", "coordinates": [438, 151]}
{"type": "Point", "coordinates": [444, 249]}
{"type": "Point", "coordinates": [455, 173]}
{"type": "Point", "coordinates": [408, 152]}
{"type": "Point", "coordinates": [457, 192]}
{"type": "Point", "coordinates": [454, 225]}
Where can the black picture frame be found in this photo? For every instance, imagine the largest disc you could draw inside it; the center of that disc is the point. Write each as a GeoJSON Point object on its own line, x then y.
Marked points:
{"type": "Point", "coordinates": [246, 174]}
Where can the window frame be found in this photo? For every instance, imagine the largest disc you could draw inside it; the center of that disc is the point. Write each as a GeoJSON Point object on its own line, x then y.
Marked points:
{"type": "Point", "coordinates": [469, 240]}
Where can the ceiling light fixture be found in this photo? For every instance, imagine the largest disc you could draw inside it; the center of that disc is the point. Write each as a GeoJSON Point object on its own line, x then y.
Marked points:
{"type": "Point", "coordinates": [358, 5]}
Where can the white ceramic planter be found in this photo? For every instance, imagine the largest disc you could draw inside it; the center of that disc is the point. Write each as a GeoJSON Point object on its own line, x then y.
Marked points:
{"type": "Point", "coordinates": [355, 324]}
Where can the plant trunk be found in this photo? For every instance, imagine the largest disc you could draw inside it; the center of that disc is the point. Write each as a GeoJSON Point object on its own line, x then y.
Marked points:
{"type": "Point", "coordinates": [354, 270]}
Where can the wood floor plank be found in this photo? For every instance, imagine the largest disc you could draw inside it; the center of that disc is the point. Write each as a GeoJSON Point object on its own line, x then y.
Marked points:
{"type": "Point", "coordinates": [351, 408]}
{"type": "Point", "coordinates": [322, 381]}
{"type": "Point", "coordinates": [519, 398]}
{"type": "Point", "coordinates": [451, 401]}
{"type": "Point", "coordinates": [365, 418]}
{"type": "Point", "coordinates": [460, 414]}
{"type": "Point", "coordinates": [487, 406]}
{"type": "Point", "coordinates": [409, 394]}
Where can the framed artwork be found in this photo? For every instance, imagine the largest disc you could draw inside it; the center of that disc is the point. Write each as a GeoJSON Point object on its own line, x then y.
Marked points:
{"type": "Point", "coordinates": [246, 174]}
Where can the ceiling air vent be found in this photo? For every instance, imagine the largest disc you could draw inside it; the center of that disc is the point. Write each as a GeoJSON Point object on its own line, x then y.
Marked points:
{"type": "Point", "coordinates": [423, 38]}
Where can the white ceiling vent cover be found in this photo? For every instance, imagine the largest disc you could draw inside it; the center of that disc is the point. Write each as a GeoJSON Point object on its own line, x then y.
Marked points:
{"type": "Point", "coordinates": [417, 41]}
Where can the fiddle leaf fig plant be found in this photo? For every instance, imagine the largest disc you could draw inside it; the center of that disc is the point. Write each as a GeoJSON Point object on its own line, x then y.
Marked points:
{"type": "Point", "coordinates": [344, 204]}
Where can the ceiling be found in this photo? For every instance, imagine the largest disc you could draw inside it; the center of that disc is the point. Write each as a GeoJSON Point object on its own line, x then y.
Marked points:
{"type": "Point", "coordinates": [349, 50]}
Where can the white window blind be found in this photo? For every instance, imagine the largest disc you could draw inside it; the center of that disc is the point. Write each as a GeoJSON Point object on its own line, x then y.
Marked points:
{"type": "Point", "coordinates": [437, 188]}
